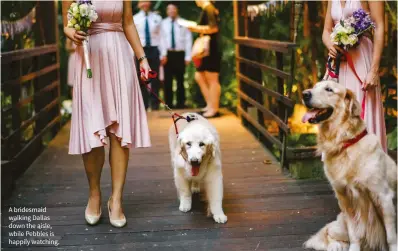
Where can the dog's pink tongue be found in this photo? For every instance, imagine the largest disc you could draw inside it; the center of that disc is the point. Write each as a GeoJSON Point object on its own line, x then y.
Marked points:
{"type": "Point", "coordinates": [195, 170]}
{"type": "Point", "coordinates": [308, 115]}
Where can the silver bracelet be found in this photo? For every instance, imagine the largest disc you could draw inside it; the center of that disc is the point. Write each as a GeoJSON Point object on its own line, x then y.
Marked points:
{"type": "Point", "coordinates": [141, 58]}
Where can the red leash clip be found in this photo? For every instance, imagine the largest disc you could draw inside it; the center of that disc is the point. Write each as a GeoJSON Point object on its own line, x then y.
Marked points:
{"type": "Point", "coordinates": [151, 75]}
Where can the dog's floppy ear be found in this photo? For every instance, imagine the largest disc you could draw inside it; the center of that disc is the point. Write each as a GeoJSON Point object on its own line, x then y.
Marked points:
{"type": "Point", "coordinates": [352, 103]}
{"type": "Point", "coordinates": [212, 144]}
{"type": "Point", "coordinates": [179, 148]}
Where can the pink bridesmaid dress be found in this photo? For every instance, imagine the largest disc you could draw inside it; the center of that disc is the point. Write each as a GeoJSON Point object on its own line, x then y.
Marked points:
{"type": "Point", "coordinates": [71, 67]}
{"type": "Point", "coordinates": [112, 97]}
{"type": "Point", "coordinates": [362, 58]}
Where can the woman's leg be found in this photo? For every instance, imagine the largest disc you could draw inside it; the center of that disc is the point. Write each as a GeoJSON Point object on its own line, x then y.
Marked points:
{"type": "Point", "coordinates": [118, 159]}
{"type": "Point", "coordinates": [214, 93]}
{"type": "Point", "coordinates": [204, 87]}
{"type": "Point", "coordinates": [93, 163]}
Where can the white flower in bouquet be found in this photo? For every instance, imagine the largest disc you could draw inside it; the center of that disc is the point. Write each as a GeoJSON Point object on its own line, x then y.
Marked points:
{"type": "Point", "coordinates": [77, 27]}
{"type": "Point", "coordinates": [352, 39]}
{"type": "Point", "coordinates": [84, 10]}
{"type": "Point", "coordinates": [75, 10]}
{"type": "Point", "coordinates": [73, 21]}
{"type": "Point", "coordinates": [93, 15]}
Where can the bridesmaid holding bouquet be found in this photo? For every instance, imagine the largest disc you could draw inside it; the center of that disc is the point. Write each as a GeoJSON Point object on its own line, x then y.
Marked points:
{"type": "Point", "coordinates": [366, 58]}
{"type": "Point", "coordinates": [108, 106]}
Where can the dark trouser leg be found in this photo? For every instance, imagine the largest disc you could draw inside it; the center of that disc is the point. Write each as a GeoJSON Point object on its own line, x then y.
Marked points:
{"type": "Point", "coordinates": [180, 86]}
{"type": "Point", "coordinates": [168, 82]}
{"type": "Point", "coordinates": [154, 62]}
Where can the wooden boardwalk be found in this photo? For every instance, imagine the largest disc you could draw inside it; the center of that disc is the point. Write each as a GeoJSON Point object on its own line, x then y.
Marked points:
{"type": "Point", "coordinates": [266, 209]}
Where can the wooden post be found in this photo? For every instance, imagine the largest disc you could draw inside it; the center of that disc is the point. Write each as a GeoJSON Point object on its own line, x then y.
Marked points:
{"type": "Point", "coordinates": [237, 54]}
{"type": "Point", "coordinates": [281, 108]}
{"type": "Point", "coordinates": [15, 144]}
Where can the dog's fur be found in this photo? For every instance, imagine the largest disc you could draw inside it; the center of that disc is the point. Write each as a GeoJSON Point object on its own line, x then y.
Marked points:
{"type": "Point", "coordinates": [197, 141]}
{"type": "Point", "coordinates": [363, 176]}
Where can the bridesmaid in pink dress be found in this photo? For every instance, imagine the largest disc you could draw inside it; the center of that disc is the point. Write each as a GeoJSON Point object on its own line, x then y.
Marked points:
{"type": "Point", "coordinates": [366, 57]}
{"type": "Point", "coordinates": [108, 106]}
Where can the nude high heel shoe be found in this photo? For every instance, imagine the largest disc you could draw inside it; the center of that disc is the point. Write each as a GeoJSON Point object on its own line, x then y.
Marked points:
{"type": "Point", "coordinates": [92, 219]}
{"type": "Point", "coordinates": [116, 223]}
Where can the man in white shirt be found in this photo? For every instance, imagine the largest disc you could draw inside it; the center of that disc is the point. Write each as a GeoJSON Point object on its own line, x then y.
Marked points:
{"type": "Point", "coordinates": [176, 45]}
{"type": "Point", "coordinates": [148, 28]}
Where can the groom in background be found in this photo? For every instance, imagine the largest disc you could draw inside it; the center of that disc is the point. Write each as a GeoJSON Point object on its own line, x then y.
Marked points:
{"type": "Point", "coordinates": [176, 44]}
{"type": "Point", "coordinates": [148, 28]}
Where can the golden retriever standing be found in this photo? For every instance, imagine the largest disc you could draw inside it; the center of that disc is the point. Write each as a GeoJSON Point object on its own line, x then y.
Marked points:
{"type": "Point", "coordinates": [362, 175]}
{"type": "Point", "coordinates": [196, 160]}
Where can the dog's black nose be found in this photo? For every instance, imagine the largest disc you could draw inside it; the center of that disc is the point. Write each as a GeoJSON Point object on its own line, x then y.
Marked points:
{"type": "Point", "coordinates": [307, 95]}
{"type": "Point", "coordinates": [195, 162]}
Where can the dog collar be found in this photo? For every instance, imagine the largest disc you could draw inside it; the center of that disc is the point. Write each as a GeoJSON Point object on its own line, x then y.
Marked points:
{"type": "Point", "coordinates": [352, 141]}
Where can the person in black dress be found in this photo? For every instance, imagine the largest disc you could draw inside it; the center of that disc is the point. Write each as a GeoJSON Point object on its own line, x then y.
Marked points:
{"type": "Point", "coordinates": [207, 74]}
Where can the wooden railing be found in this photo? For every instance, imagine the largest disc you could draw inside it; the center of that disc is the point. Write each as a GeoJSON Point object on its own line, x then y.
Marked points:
{"type": "Point", "coordinates": [252, 89]}
{"type": "Point", "coordinates": [32, 110]}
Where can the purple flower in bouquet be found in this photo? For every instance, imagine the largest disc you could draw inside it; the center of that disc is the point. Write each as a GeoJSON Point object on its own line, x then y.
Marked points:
{"type": "Point", "coordinates": [84, 2]}
{"type": "Point", "coordinates": [362, 21]}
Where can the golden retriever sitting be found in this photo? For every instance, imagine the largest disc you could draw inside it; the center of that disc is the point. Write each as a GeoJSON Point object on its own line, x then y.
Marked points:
{"type": "Point", "coordinates": [362, 175]}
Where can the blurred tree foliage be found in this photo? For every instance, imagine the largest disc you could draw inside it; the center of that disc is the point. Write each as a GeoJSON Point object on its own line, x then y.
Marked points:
{"type": "Point", "coordinates": [12, 11]}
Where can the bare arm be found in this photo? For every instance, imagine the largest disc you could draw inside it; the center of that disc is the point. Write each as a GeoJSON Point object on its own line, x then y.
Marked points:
{"type": "Point", "coordinates": [377, 14]}
{"type": "Point", "coordinates": [204, 29]}
{"type": "Point", "coordinates": [328, 27]}
{"type": "Point", "coordinates": [212, 26]}
{"type": "Point", "coordinates": [76, 36]}
{"type": "Point", "coordinates": [130, 31]}
{"type": "Point", "coordinates": [69, 45]}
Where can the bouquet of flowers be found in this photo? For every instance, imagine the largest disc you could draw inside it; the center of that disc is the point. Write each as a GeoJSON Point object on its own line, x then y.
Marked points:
{"type": "Point", "coordinates": [80, 16]}
{"type": "Point", "coordinates": [347, 32]}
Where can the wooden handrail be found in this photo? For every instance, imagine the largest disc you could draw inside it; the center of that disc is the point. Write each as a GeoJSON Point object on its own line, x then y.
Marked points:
{"type": "Point", "coordinates": [259, 127]}
{"type": "Point", "coordinates": [8, 57]}
{"type": "Point", "coordinates": [279, 46]}
{"type": "Point", "coordinates": [37, 137]}
{"type": "Point", "coordinates": [276, 95]}
{"type": "Point", "coordinates": [29, 121]}
{"type": "Point", "coordinates": [31, 75]}
{"type": "Point", "coordinates": [275, 71]}
{"type": "Point", "coordinates": [259, 106]}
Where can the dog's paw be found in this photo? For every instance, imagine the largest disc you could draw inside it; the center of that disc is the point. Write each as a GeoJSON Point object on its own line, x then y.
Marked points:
{"type": "Point", "coordinates": [195, 189]}
{"type": "Point", "coordinates": [355, 247]}
{"type": "Point", "coordinates": [220, 218]}
{"type": "Point", "coordinates": [185, 205]}
{"type": "Point", "coordinates": [337, 246]}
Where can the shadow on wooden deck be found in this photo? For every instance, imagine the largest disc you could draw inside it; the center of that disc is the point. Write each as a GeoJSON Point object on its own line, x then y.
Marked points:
{"type": "Point", "coordinates": [266, 209]}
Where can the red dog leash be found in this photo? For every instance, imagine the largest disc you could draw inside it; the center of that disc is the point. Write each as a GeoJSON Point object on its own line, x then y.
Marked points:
{"type": "Point", "coordinates": [335, 74]}
{"type": "Point", "coordinates": [175, 116]}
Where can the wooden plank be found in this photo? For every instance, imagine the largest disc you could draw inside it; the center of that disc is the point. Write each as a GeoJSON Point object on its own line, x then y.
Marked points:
{"type": "Point", "coordinates": [285, 100]}
{"type": "Point", "coordinates": [281, 124]}
{"type": "Point", "coordinates": [29, 99]}
{"type": "Point", "coordinates": [31, 76]}
{"type": "Point", "coordinates": [29, 121]}
{"type": "Point", "coordinates": [8, 57]}
{"type": "Point", "coordinates": [273, 45]}
{"type": "Point", "coordinates": [266, 209]}
{"type": "Point", "coordinates": [264, 67]}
